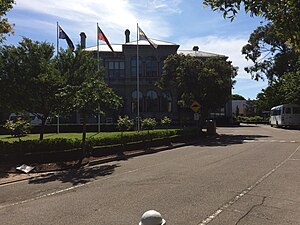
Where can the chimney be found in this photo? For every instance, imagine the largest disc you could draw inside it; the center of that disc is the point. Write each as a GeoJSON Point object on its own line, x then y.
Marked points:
{"type": "Point", "coordinates": [83, 40]}
{"type": "Point", "coordinates": [195, 48]}
{"type": "Point", "coordinates": [127, 34]}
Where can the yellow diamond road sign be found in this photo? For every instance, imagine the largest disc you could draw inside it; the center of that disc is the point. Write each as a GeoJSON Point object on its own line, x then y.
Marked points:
{"type": "Point", "coordinates": [195, 106]}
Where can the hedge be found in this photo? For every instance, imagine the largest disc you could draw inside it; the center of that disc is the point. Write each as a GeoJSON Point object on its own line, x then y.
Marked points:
{"type": "Point", "coordinates": [60, 149]}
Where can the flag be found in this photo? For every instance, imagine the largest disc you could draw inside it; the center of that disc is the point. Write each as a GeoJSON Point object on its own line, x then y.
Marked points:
{"type": "Point", "coordinates": [102, 37]}
{"type": "Point", "coordinates": [142, 36]}
{"type": "Point", "coordinates": [63, 35]}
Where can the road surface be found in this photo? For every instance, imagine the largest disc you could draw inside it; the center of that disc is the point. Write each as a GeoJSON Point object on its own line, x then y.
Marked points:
{"type": "Point", "coordinates": [246, 175]}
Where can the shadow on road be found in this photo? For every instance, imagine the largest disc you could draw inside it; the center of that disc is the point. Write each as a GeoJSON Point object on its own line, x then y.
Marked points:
{"type": "Point", "coordinates": [76, 176]}
{"type": "Point", "coordinates": [228, 139]}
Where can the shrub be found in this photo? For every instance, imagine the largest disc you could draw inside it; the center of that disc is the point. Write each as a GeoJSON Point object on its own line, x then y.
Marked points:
{"type": "Point", "coordinates": [166, 121]}
{"type": "Point", "coordinates": [18, 128]}
{"type": "Point", "coordinates": [124, 123]}
{"type": "Point", "coordinates": [148, 123]}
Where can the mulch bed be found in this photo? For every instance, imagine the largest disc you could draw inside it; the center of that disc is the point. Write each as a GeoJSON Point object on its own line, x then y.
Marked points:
{"type": "Point", "coordinates": [43, 167]}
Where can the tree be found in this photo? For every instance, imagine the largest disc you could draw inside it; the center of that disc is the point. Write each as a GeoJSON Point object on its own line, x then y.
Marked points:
{"type": "Point", "coordinates": [270, 53]}
{"type": "Point", "coordinates": [5, 26]}
{"type": "Point", "coordinates": [237, 97]}
{"type": "Point", "coordinates": [29, 80]}
{"type": "Point", "coordinates": [284, 14]}
{"type": "Point", "coordinates": [250, 108]}
{"type": "Point", "coordinates": [273, 48]}
{"type": "Point", "coordinates": [286, 90]}
{"type": "Point", "coordinates": [85, 87]}
{"type": "Point", "coordinates": [237, 111]}
{"type": "Point", "coordinates": [206, 80]}
{"type": "Point", "coordinates": [277, 61]}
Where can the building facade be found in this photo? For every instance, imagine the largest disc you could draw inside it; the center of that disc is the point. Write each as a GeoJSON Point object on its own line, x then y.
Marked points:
{"type": "Point", "coordinates": [121, 75]}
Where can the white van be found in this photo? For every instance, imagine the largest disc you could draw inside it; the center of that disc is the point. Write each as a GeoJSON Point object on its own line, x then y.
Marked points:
{"type": "Point", "coordinates": [286, 115]}
{"type": "Point", "coordinates": [34, 120]}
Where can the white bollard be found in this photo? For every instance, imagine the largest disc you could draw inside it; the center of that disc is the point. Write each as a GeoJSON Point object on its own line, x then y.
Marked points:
{"type": "Point", "coordinates": [152, 217]}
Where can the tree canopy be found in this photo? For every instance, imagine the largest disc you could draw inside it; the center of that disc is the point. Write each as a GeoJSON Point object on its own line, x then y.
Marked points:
{"type": "Point", "coordinates": [5, 26]}
{"type": "Point", "coordinates": [35, 81]}
{"type": "Point", "coordinates": [237, 97]}
{"type": "Point", "coordinates": [206, 80]}
{"type": "Point", "coordinates": [30, 79]}
{"type": "Point", "coordinates": [284, 14]}
{"type": "Point", "coordinates": [270, 53]}
{"type": "Point", "coordinates": [273, 48]}
{"type": "Point", "coordinates": [85, 88]}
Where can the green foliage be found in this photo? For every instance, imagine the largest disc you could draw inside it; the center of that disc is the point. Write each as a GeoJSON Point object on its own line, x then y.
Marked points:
{"type": "Point", "coordinates": [64, 144]}
{"type": "Point", "coordinates": [166, 121]}
{"type": "Point", "coordinates": [85, 87]}
{"type": "Point", "coordinates": [283, 14]}
{"type": "Point", "coordinates": [124, 123]}
{"type": "Point", "coordinates": [207, 81]}
{"type": "Point", "coordinates": [250, 108]}
{"type": "Point", "coordinates": [30, 80]}
{"type": "Point", "coordinates": [148, 123]}
{"type": "Point", "coordinates": [251, 119]}
{"type": "Point", "coordinates": [5, 26]}
{"type": "Point", "coordinates": [237, 111]}
{"type": "Point", "coordinates": [237, 97]}
{"type": "Point", "coordinates": [284, 90]}
{"type": "Point", "coordinates": [270, 53]}
{"type": "Point", "coordinates": [273, 48]}
{"type": "Point", "coordinates": [18, 128]}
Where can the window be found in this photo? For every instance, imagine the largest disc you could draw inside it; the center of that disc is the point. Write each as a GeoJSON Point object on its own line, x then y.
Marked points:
{"type": "Point", "coordinates": [275, 112]}
{"type": "Point", "coordinates": [166, 102]}
{"type": "Point", "coordinates": [296, 110]}
{"type": "Point", "coordinates": [288, 110]}
{"type": "Point", "coordinates": [151, 66]}
{"type": "Point", "coordinates": [134, 101]}
{"type": "Point", "coordinates": [115, 69]}
{"type": "Point", "coordinates": [133, 66]}
{"type": "Point", "coordinates": [151, 101]}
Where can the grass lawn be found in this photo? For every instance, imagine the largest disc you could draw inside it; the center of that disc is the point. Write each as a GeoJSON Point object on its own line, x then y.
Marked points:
{"type": "Point", "coordinates": [11, 139]}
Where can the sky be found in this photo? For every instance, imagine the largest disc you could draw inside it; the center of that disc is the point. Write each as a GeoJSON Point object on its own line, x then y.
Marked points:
{"type": "Point", "coordinates": [187, 23]}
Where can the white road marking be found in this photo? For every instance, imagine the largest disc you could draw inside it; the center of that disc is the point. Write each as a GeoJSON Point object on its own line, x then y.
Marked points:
{"type": "Point", "coordinates": [246, 191]}
{"type": "Point", "coordinates": [269, 141]}
{"type": "Point", "coordinates": [63, 190]}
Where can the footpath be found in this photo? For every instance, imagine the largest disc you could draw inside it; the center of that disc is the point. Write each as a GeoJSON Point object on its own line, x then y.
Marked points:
{"type": "Point", "coordinates": [17, 176]}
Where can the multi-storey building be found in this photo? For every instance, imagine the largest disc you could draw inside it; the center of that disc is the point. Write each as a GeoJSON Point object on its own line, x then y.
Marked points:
{"type": "Point", "coordinates": [121, 75]}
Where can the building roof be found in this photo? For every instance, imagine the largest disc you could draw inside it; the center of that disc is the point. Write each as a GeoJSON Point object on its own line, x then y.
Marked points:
{"type": "Point", "coordinates": [199, 53]}
{"type": "Point", "coordinates": [119, 47]}
{"type": "Point", "coordinates": [145, 42]}
{"type": "Point", "coordinates": [105, 48]}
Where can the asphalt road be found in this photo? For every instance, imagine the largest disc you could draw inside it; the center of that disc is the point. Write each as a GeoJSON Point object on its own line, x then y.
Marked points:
{"type": "Point", "coordinates": [247, 175]}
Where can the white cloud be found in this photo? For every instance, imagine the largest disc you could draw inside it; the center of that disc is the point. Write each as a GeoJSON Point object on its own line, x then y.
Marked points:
{"type": "Point", "coordinates": [231, 47]}
{"type": "Point", "coordinates": [166, 6]}
{"type": "Point", "coordinates": [114, 16]}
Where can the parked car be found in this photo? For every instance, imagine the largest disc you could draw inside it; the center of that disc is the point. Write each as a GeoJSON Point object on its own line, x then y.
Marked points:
{"type": "Point", "coordinates": [33, 119]}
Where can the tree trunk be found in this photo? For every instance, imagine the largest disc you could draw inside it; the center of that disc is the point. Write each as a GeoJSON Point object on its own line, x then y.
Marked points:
{"type": "Point", "coordinates": [42, 131]}
{"type": "Point", "coordinates": [83, 141]}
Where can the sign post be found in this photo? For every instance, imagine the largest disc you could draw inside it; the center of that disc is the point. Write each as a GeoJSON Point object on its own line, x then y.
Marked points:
{"type": "Point", "coordinates": [195, 106]}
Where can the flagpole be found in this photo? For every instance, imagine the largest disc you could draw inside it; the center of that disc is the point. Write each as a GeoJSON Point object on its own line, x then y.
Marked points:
{"type": "Point", "coordinates": [98, 65]}
{"type": "Point", "coordinates": [57, 52]}
{"type": "Point", "coordinates": [138, 78]}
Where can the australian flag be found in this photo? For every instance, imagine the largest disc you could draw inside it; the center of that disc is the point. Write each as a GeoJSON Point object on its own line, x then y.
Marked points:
{"type": "Point", "coordinates": [63, 35]}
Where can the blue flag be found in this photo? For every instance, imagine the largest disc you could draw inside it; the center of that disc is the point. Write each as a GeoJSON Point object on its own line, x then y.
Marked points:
{"type": "Point", "coordinates": [63, 35]}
